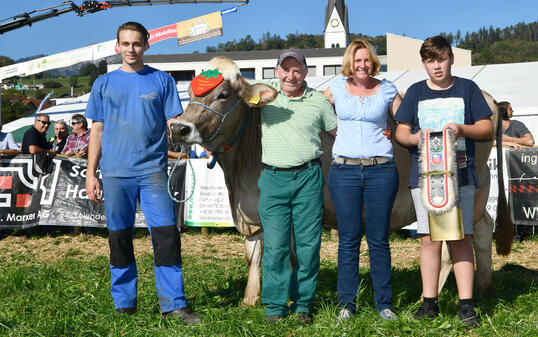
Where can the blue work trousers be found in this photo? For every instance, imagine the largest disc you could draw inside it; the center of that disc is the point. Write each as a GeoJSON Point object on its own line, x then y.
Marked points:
{"type": "Point", "coordinates": [372, 189]}
{"type": "Point", "coordinates": [121, 196]}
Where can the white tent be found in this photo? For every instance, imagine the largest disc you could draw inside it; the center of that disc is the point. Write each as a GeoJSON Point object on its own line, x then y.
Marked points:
{"type": "Point", "coordinates": [64, 110]}
{"type": "Point", "coordinates": [513, 82]}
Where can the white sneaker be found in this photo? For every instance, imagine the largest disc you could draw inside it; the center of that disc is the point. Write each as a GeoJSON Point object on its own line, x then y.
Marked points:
{"type": "Point", "coordinates": [344, 315]}
{"type": "Point", "coordinates": [387, 314]}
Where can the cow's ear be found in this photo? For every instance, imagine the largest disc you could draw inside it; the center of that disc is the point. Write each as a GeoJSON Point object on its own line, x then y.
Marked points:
{"type": "Point", "coordinates": [258, 94]}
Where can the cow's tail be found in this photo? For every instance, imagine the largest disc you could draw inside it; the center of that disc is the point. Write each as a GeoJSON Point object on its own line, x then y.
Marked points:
{"type": "Point", "coordinates": [504, 227]}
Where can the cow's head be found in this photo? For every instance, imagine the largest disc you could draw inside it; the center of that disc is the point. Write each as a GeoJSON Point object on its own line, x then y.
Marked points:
{"type": "Point", "coordinates": [215, 116]}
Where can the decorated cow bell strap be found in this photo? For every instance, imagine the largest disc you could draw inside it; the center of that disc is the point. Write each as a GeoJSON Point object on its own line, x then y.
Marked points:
{"type": "Point", "coordinates": [438, 178]}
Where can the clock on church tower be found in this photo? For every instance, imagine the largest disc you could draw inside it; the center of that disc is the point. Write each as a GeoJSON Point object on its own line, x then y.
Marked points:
{"type": "Point", "coordinates": [336, 33]}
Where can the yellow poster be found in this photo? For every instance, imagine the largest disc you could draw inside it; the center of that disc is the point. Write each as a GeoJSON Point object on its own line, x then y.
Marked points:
{"type": "Point", "coordinates": [202, 27]}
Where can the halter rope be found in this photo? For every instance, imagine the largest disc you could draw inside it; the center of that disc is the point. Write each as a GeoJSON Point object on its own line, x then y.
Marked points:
{"type": "Point", "coordinates": [211, 164]}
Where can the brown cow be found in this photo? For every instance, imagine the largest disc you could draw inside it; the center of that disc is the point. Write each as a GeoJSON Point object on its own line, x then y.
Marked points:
{"type": "Point", "coordinates": [216, 119]}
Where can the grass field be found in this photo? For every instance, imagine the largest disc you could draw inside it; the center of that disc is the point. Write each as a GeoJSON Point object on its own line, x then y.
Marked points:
{"type": "Point", "coordinates": [58, 285]}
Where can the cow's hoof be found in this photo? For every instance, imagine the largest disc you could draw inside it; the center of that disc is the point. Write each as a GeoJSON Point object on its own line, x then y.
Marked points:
{"type": "Point", "coordinates": [249, 303]}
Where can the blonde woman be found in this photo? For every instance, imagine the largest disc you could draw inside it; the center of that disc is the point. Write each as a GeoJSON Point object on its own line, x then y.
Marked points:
{"type": "Point", "coordinates": [363, 176]}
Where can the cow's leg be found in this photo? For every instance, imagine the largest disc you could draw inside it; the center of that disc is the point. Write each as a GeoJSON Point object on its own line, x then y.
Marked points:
{"type": "Point", "coordinates": [446, 266]}
{"type": "Point", "coordinates": [253, 255]}
{"type": "Point", "coordinates": [482, 240]}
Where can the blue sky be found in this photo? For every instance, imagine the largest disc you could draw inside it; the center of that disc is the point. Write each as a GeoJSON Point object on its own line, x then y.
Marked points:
{"type": "Point", "coordinates": [417, 18]}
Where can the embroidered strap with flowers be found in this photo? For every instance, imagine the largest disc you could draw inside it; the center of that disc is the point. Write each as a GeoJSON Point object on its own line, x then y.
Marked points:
{"type": "Point", "coordinates": [205, 82]}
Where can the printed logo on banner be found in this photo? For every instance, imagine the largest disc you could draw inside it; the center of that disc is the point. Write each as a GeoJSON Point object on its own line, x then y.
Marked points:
{"type": "Point", "coordinates": [523, 185]}
{"type": "Point", "coordinates": [21, 171]}
{"type": "Point", "coordinates": [57, 199]}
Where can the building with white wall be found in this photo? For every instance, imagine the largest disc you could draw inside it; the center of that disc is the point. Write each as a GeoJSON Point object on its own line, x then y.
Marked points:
{"type": "Point", "coordinates": [258, 65]}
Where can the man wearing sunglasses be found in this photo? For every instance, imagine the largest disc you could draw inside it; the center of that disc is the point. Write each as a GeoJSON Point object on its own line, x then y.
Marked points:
{"type": "Point", "coordinates": [77, 142]}
{"type": "Point", "coordinates": [35, 140]}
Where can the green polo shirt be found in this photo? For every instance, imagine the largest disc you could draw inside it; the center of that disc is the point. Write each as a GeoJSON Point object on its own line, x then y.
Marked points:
{"type": "Point", "coordinates": [291, 127]}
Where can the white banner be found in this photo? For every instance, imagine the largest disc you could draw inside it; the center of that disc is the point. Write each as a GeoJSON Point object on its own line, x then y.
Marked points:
{"type": "Point", "coordinates": [491, 205]}
{"type": "Point", "coordinates": [209, 205]}
{"type": "Point", "coordinates": [65, 59]}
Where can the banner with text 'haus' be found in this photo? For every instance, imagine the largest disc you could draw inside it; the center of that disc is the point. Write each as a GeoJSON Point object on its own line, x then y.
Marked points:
{"type": "Point", "coordinates": [57, 199]}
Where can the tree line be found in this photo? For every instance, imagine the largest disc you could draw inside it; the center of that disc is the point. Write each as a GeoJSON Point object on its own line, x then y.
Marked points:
{"type": "Point", "coordinates": [516, 43]}
{"type": "Point", "coordinates": [270, 41]}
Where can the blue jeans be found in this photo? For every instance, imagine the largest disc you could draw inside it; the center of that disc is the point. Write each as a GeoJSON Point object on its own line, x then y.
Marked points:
{"type": "Point", "coordinates": [355, 188]}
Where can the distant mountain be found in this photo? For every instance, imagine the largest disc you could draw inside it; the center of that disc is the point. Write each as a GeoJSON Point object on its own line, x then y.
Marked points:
{"type": "Point", "coordinates": [24, 59]}
{"type": "Point", "coordinates": [71, 70]}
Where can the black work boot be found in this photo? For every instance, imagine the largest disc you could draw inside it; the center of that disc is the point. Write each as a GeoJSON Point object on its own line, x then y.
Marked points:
{"type": "Point", "coordinates": [467, 314]}
{"type": "Point", "coordinates": [428, 308]}
{"type": "Point", "coordinates": [184, 315]}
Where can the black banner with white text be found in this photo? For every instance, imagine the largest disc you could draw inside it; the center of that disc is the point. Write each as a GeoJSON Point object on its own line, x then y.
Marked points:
{"type": "Point", "coordinates": [57, 199]}
{"type": "Point", "coordinates": [523, 185]}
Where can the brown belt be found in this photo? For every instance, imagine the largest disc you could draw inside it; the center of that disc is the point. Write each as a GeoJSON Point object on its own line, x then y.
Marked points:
{"type": "Point", "coordinates": [361, 161]}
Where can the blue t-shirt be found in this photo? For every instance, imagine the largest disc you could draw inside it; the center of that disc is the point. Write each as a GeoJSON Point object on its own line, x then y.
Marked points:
{"type": "Point", "coordinates": [361, 121]}
{"type": "Point", "coordinates": [134, 108]}
{"type": "Point", "coordinates": [425, 108]}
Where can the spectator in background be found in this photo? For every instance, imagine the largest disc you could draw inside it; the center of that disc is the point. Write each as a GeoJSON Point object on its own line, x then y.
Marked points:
{"type": "Point", "coordinates": [515, 133]}
{"type": "Point", "coordinates": [198, 151]}
{"type": "Point", "coordinates": [77, 142]}
{"type": "Point", "coordinates": [61, 132]}
{"type": "Point", "coordinates": [193, 152]}
{"type": "Point", "coordinates": [34, 139]}
{"type": "Point", "coordinates": [8, 146]}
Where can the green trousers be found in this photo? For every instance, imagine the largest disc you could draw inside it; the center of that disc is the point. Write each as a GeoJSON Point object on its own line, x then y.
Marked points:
{"type": "Point", "coordinates": [291, 202]}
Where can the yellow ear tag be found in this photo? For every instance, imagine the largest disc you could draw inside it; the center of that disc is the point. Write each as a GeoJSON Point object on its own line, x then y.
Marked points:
{"type": "Point", "coordinates": [254, 99]}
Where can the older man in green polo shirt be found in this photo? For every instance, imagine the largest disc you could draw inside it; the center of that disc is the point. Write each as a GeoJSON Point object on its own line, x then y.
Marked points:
{"type": "Point", "coordinates": [291, 188]}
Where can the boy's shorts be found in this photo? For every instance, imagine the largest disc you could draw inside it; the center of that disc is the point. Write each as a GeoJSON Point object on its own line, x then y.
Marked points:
{"type": "Point", "coordinates": [465, 203]}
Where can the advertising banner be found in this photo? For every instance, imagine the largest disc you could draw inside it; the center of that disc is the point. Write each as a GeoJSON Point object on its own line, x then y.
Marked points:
{"type": "Point", "coordinates": [523, 185]}
{"type": "Point", "coordinates": [491, 206]}
{"type": "Point", "coordinates": [57, 199]}
{"type": "Point", "coordinates": [202, 27]}
{"type": "Point", "coordinates": [208, 206]}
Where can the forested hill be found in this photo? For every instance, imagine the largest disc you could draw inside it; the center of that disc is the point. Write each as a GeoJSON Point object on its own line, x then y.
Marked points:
{"type": "Point", "coordinates": [517, 43]}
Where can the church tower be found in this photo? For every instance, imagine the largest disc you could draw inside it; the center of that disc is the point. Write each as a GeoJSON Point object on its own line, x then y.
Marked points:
{"type": "Point", "coordinates": [336, 25]}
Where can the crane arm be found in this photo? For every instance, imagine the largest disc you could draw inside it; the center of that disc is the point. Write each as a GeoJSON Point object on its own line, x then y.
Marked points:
{"type": "Point", "coordinates": [87, 7]}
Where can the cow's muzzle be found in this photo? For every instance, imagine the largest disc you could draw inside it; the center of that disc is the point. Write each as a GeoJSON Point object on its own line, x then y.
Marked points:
{"type": "Point", "coordinates": [184, 132]}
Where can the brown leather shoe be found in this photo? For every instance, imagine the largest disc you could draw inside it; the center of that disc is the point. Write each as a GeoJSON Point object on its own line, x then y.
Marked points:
{"type": "Point", "coordinates": [304, 318]}
{"type": "Point", "coordinates": [274, 319]}
{"type": "Point", "coordinates": [184, 314]}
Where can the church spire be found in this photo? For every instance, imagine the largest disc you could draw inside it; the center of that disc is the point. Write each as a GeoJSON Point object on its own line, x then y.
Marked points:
{"type": "Point", "coordinates": [336, 24]}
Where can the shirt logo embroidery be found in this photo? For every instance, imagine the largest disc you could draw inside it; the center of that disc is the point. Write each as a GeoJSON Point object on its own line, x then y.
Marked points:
{"type": "Point", "coordinates": [149, 97]}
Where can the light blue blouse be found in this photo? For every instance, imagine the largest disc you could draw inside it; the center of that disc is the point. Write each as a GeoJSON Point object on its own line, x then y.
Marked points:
{"type": "Point", "coordinates": [361, 121]}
